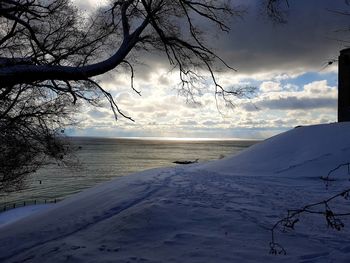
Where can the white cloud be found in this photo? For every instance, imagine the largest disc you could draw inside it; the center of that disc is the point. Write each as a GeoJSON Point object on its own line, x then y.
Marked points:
{"type": "Point", "coordinates": [320, 89]}
{"type": "Point", "coordinates": [291, 87]}
{"type": "Point", "coordinates": [266, 56]}
{"type": "Point", "coordinates": [270, 86]}
{"type": "Point", "coordinates": [89, 5]}
{"type": "Point", "coordinates": [158, 113]}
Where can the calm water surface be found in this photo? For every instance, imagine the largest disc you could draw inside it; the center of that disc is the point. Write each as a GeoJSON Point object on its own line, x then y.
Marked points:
{"type": "Point", "coordinates": [102, 159]}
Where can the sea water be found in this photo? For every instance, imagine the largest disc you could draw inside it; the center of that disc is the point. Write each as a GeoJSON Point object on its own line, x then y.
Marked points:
{"type": "Point", "coordinates": [98, 160]}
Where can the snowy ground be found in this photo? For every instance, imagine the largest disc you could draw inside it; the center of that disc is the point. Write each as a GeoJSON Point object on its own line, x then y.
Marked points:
{"type": "Point", "coordinates": [13, 215]}
{"type": "Point", "coordinates": [216, 212]}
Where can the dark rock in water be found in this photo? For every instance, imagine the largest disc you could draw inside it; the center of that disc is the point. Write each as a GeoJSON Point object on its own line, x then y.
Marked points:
{"type": "Point", "coordinates": [186, 162]}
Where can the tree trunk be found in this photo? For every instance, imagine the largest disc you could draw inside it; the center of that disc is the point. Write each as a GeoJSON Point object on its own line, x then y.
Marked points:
{"type": "Point", "coordinates": [344, 86]}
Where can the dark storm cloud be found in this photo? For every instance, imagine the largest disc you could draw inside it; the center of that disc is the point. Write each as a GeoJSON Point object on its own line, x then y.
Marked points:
{"type": "Point", "coordinates": [255, 44]}
{"type": "Point", "coordinates": [295, 103]}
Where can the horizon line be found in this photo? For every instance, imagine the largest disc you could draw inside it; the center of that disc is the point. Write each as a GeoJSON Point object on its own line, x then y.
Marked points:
{"type": "Point", "coordinates": [171, 138]}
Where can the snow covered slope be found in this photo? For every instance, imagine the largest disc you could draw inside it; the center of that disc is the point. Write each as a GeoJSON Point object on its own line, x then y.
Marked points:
{"type": "Point", "coordinates": [216, 212]}
{"type": "Point", "coordinates": [316, 147]}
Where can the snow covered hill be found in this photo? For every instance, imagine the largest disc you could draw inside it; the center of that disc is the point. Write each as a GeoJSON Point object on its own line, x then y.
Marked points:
{"type": "Point", "coordinates": [220, 211]}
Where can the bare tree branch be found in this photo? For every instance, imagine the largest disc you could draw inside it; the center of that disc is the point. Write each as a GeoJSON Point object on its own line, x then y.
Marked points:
{"type": "Point", "coordinates": [333, 218]}
{"type": "Point", "coordinates": [51, 54]}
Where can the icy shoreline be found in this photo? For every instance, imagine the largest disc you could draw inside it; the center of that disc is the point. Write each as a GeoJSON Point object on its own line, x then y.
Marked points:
{"type": "Point", "coordinates": [221, 211]}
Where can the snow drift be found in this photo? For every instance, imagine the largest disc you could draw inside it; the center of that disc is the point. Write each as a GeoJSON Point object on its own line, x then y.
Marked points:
{"type": "Point", "coordinates": [220, 211]}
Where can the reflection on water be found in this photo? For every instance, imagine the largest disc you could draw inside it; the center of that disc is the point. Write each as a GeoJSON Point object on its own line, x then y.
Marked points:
{"type": "Point", "coordinates": [103, 159]}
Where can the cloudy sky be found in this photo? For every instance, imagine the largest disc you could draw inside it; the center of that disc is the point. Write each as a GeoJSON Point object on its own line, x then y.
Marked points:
{"type": "Point", "coordinates": [286, 63]}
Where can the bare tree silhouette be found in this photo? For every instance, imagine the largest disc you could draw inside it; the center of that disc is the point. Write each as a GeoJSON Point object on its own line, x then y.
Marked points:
{"type": "Point", "coordinates": [51, 54]}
